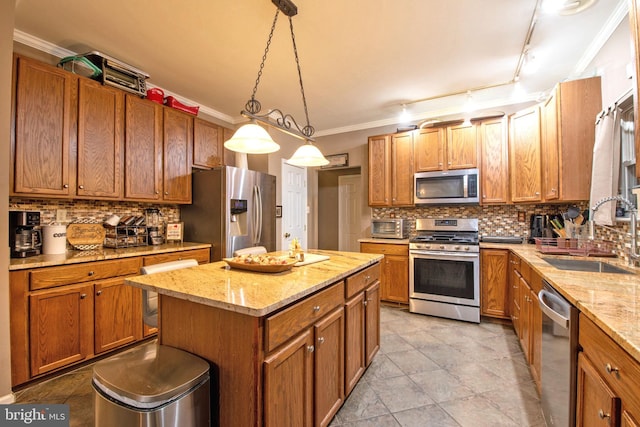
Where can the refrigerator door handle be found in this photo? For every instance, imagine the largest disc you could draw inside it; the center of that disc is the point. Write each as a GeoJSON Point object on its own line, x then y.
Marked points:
{"type": "Point", "coordinates": [257, 215]}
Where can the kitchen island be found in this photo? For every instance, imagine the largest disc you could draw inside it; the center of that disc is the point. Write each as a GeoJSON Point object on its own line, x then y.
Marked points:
{"type": "Point", "coordinates": [286, 348]}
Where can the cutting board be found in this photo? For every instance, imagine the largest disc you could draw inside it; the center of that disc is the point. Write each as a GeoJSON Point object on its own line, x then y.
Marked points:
{"type": "Point", "coordinates": [85, 236]}
{"type": "Point", "coordinates": [310, 259]}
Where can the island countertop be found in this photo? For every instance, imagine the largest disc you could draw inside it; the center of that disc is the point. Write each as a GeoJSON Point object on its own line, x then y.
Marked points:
{"type": "Point", "coordinates": [252, 293]}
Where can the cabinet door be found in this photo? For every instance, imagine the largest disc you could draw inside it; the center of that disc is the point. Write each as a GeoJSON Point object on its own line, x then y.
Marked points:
{"type": "Point", "coordinates": [379, 170]}
{"type": "Point", "coordinates": [143, 149]}
{"type": "Point", "coordinates": [396, 278]}
{"type": "Point", "coordinates": [177, 140]}
{"type": "Point", "coordinates": [207, 144]}
{"type": "Point", "coordinates": [525, 316]}
{"type": "Point", "coordinates": [45, 113]}
{"type": "Point", "coordinates": [514, 291]}
{"type": "Point", "coordinates": [118, 314]}
{"type": "Point", "coordinates": [428, 148]}
{"type": "Point", "coordinates": [597, 405]}
{"type": "Point", "coordinates": [628, 420]}
{"type": "Point", "coordinates": [634, 22]}
{"type": "Point", "coordinates": [494, 176]}
{"type": "Point", "coordinates": [494, 278]}
{"type": "Point", "coordinates": [524, 156]}
{"type": "Point", "coordinates": [354, 341]}
{"type": "Point", "coordinates": [60, 327]}
{"type": "Point", "coordinates": [100, 140]}
{"type": "Point", "coordinates": [329, 367]}
{"type": "Point", "coordinates": [402, 169]}
{"type": "Point", "coordinates": [288, 384]}
{"type": "Point", "coordinates": [549, 146]}
{"type": "Point", "coordinates": [372, 321]}
{"type": "Point", "coordinates": [462, 147]}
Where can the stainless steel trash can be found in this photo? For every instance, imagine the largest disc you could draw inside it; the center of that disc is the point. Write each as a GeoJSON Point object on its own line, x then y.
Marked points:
{"type": "Point", "coordinates": [152, 386]}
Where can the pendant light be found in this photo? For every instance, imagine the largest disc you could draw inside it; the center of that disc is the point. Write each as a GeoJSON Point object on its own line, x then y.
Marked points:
{"type": "Point", "coordinates": [251, 140]}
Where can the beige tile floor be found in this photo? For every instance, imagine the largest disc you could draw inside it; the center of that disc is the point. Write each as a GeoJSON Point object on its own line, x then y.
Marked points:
{"type": "Point", "coordinates": [429, 372]}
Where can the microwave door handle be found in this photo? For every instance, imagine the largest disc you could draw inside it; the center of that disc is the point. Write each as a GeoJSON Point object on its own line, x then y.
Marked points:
{"type": "Point", "coordinates": [465, 185]}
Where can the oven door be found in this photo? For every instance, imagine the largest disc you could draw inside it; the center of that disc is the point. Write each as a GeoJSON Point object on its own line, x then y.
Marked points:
{"type": "Point", "coordinates": [450, 277]}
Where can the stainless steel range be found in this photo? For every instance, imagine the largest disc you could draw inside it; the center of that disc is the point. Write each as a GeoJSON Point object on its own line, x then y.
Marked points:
{"type": "Point", "coordinates": [444, 269]}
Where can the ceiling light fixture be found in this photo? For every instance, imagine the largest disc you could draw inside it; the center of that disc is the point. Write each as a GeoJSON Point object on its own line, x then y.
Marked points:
{"type": "Point", "coordinates": [252, 138]}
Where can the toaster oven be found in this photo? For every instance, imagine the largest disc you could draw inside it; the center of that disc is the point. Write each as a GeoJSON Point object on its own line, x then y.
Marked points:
{"type": "Point", "coordinates": [389, 228]}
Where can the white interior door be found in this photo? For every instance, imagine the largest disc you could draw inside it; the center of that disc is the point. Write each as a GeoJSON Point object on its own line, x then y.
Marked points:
{"type": "Point", "coordinates": [294, 205]}
{"type": "Point", "coordinates": [349, 199]}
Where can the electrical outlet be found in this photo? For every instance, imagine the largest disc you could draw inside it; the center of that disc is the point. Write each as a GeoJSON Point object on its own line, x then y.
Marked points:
{"type": "Point", "coordinates": [61, 215]}
{"type": "Point", "coordinates": [521, 217]}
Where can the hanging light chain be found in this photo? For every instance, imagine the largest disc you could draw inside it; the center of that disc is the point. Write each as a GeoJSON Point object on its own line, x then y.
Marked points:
{"type": "Point", "coordinates": [308, 130]}
{"type": "Point", "coordinates": [253, 106]}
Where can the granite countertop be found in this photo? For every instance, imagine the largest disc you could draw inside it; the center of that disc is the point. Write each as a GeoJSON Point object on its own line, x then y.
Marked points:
{"type": "Point", "coordinates": [612, 301]}
{"type": "Point", "coordinates": [252, 293]}
{"type": "Point", "coordinates": [73, 256]}
{"type": "Point", "coordinates": [379, 240]}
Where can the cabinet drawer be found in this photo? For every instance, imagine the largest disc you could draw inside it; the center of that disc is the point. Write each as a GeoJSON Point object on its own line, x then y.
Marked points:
{"type": "Point", "coordinates": [285, 324]}
{"type": "Point", "coordinates": [200, 255]}
{"type": "Point", "coordinates": [616, 366]}
{"type": "Point", "coordinates": [385, 249]}
{"type": "Point", "coordinates": [64, 275]}
{"type": "Point", "coordinates": [360, 280]}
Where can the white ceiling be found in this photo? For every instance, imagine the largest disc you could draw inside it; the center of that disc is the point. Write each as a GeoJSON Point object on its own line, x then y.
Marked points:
{"type": "Point", "coordinates": [361, 59]}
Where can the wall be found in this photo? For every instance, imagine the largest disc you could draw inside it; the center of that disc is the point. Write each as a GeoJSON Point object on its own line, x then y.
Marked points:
{"type": "Point", "coordinates": [6, 42]}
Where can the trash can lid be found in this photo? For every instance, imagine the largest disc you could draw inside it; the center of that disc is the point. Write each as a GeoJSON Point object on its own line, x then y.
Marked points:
{"type": "Point", "coordinates": [151, 373]}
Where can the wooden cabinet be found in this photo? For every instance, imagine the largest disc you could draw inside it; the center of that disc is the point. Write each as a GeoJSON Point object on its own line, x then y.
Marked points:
{"type": "Point", "coordinates": [524, 155]}
{"type": "Point", "coordinates": [100, 140]}
{"type": "Point", "coordinates": [362, 324]}
{"type": "Point", "coordinates": [608, 380]}
{"type": "Point", "coordinates": [444, 148]}
{"type": "Point", "coordinates": [177, 149]}
{"type": "Point", "coordinates": [634, 23]}
{"type": "Point", "coordinates": [567, 139]}
{"type": "Point", "coordinates": [44, 119]}
{"type": "Point", "coordinates": [60, 328]}
{"type": "Point", "coordinates": [429, 149]}
{"type": "Point", "coordinates": [494, 283]}
{"type": "Point", "coordinates": [597, 404]}
{"type": "Point", "coordinates": [208, 151]}
{"type": "Point", "coordinates": [117, 314]}
{"type": "Point", "coordinates": [514, 291]}
{"type": "Point", "coordinates": [391, 170]}
{"type": "Point", "coordinates": [143, 149]}
{"type": "Point", "coordinates": [494, 162]}
{"type": "Point", "coordinates": [394, 277]}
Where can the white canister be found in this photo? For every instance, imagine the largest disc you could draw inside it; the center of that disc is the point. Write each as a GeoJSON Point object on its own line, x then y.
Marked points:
{"type": "Point", "coordinates": [54, 239]}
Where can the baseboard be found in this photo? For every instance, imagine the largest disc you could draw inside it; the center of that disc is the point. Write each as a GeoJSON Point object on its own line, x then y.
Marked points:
{"type": "Point", "coordinates": [9, 398]}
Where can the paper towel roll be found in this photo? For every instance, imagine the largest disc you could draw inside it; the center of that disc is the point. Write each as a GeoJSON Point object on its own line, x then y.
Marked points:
{"type": "Point", "coordinates": [54, 239]}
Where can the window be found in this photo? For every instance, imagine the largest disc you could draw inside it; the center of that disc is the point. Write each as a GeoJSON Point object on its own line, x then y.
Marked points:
{"type": "Point", "coordinates": [627, 150]}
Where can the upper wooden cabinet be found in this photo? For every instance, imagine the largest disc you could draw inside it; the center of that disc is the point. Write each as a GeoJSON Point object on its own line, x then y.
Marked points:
{"type": "Point", "coordinates": [453, 147]}
{"type": "Point", "coordinates": [379, 170]}
{"type": "Point", "coordinates": [524, 155]}
{"type": "Point", "coordinates": [429, 149]}
{"type": "Point", "coordinates": [567, 135]}
{"type": "Point", "coordinates": [177, 146]}
{"type": "Point", "coordinates": [143, 149]}
{"type": "Point", "coordinates": [100, 140]}
{"type": "Point", "coordinates": [494, 162]}
{"type": "Point", "coordinates": [634, 20]}
{"type": "Point", "coordinates": [208, 151]}
{"type": "Point", "coordinates": [402, 169]}
{"type": "Point", "coordinates": [44, 119]}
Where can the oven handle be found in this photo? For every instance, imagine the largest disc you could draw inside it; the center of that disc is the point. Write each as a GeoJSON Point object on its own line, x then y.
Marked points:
{"type": "Point", "coordinates": [440, 254]}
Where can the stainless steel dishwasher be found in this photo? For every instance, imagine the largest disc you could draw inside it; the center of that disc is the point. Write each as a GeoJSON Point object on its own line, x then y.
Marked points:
{"type": "Point", "coordinates": [559, 357]}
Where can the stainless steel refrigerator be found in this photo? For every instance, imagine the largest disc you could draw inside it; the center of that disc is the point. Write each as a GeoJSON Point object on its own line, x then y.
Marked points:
{"type": "Point", "coordinates": [232, 209]}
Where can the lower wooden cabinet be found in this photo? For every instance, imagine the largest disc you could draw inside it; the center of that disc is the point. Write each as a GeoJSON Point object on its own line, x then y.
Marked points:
{"type": "Point", "coordinates": [494, 283]}
{"type": "Point", "coordinates": [117, 314]}
{"type": "Point", "coordinates": [394, 279]}
{"type": "Point", "coordinates": [597, 404]}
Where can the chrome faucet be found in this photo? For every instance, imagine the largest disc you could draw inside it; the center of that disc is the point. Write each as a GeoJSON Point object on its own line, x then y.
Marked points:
{"type": "Point", "coordinates": [633, 212]}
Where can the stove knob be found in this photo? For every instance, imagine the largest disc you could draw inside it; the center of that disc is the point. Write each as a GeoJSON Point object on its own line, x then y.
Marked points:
{"type": "Point", "coordinates": [443, 247]}
{"type": "Point", "coordinates": [426, 246]}
{"type": "Point", "coordinates": [457, 248]}
{"type": "Point", "coordinates": [466, 248]}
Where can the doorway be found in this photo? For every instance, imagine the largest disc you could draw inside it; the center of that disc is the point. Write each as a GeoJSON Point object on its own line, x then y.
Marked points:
{"type": "Point", "coordinates": [349, 199]}
{"type": "Point", "coordinates": [339, 220]}
{"type": "Point", "coordinates": [294, 205]}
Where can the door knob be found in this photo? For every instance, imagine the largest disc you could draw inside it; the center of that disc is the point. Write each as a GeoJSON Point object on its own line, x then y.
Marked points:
{"type": "Point", "coordinates": [287, 235]}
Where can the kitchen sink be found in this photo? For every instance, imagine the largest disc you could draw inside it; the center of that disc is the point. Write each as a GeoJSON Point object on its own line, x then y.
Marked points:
{"type": "Point", "coordinates": [585, 265]}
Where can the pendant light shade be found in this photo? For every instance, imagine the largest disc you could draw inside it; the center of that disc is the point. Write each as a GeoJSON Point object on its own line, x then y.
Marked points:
{"type": "Point", "coordinates": [252, 139]}
{"type": "Point", "coordinates": [308, 155]}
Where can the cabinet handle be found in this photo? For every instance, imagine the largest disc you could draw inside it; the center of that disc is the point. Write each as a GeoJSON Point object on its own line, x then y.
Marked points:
{"type": "Point", "coordinates": [157, 192]}
{"type": "Point", "coordinates": [98, 293]}
{"type": "Point", "coordinates": [66, 186]}
{"type": "Point", "coordinates": [365, 303]}
{"type": "Point", "coordinates": [449, 163]}
{"type": "Point", "coordinates": [83, 296]}
{"type": "Point", "coordinates": [603, 415]}
{"type": "Point", "coordinates": [166, 193]}
{"type": "Point", "coordinates": [367, 277]}
{"type": "Point", "coordinates": [610, 369]}
{"type": "Point", "coordinates": [321, 340]}
{"type": "Point", "coordinates": [537, 193]}
{"type": "Point", "coordinates": [91, 273]}
{"type": "Point", "coordinates": [553, 190]}
{"type": "Point", "coordinates": [484, 196]}
{"type": "Point", "coordinates": [310, 348]}
{"type": "Point", "coordinates": [81, 187]}
{"type": "Point", "coordinates": [316, 308]}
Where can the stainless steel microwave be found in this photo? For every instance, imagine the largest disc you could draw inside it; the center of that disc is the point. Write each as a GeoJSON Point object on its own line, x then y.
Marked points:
{"type": "Point", "coordinates": [389, 228]}
{"type": "Point", "coordinates": [447, 187]}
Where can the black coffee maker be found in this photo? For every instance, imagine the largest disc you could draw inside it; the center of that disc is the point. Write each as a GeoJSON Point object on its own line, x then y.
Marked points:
{"type": "Point", "coordinates": [25, 238]}
{"type": "Point", "coordinates": [537, 227]}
